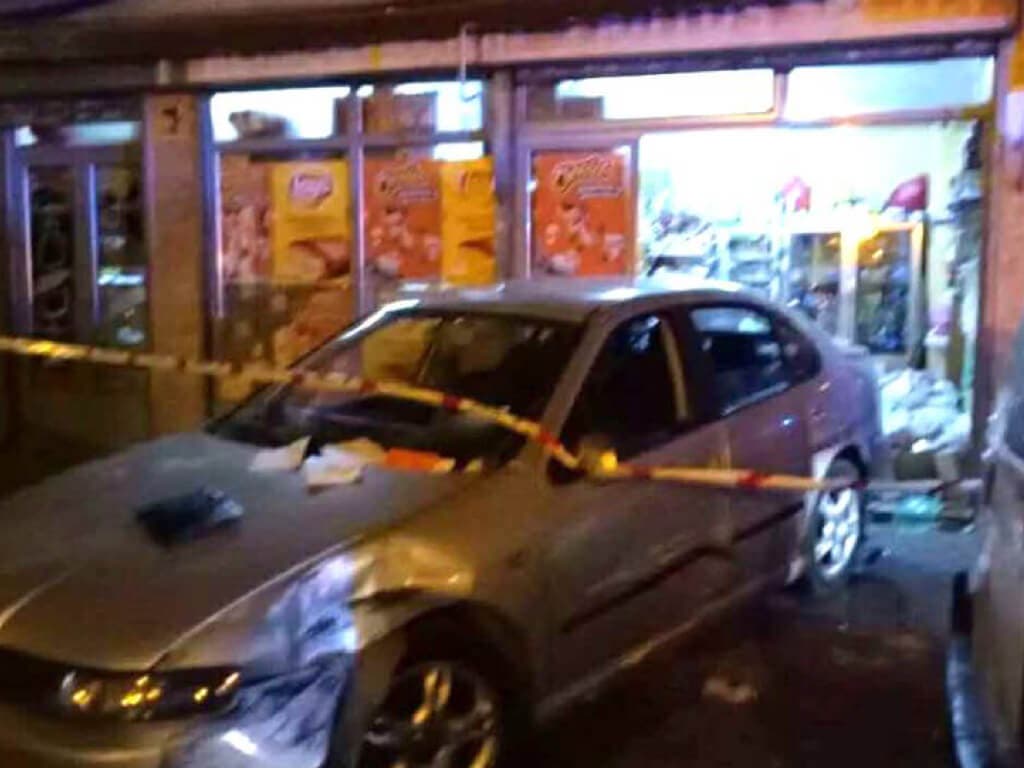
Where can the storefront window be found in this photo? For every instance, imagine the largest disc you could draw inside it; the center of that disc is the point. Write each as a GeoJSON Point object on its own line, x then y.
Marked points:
{"type": "Point", "coordinates": [423, 107]}
{"type": "Point", "coordinates": [79, 134]}
{"type": "Point", "coordinates": [687, 94]}
{"type": "Point", "coordinates": [837, 91]}
{"type": "Point", "coordinates": [297, 113]}
{"type": "Point", "coordinates": [286, 246]}
{"type": "Point", "coordinates": [285, 255]}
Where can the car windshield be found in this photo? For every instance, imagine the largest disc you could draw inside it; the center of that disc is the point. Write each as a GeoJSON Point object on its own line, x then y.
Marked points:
{"type": "Point", "coordinates": [505, 361]}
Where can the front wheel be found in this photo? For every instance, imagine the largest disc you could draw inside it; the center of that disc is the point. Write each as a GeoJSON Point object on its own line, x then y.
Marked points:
{"type": "Point", "coordinates": [437, 714]}
{"type": "Point", "coordinates": [835, 531]}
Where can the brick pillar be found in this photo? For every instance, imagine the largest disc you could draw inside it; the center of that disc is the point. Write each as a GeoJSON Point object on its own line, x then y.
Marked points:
{"type": "Point", "coordinates": [174, 217]}
{"type": "Point", "coordinates": [1003, 273]}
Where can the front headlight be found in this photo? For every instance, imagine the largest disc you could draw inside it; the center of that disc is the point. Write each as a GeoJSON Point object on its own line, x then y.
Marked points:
{"type": "Point", "coordinates": [149, 696]}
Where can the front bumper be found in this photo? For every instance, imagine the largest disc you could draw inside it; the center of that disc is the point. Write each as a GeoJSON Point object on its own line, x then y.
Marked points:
{"type": "Point", "coordinates": [282, 723]}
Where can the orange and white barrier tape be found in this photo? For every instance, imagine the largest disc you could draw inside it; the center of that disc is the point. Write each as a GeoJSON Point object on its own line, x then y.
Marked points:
{"type": "Point", "coordinates": [334, 382]}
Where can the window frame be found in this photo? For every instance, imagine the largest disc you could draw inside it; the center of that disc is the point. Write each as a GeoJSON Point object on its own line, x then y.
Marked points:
{"type": "Point", "coordinates": [688, 398]}
{"type": "Point", "coordinates": [706, 365]}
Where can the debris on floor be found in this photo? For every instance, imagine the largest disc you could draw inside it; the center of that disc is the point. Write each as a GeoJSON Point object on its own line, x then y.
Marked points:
{"type": "Point", "coordinates": [911, 508]}
{"type": "Point", "coordinates": [922, 412]}
{"type": "Point", "coordinates": [728, 692]}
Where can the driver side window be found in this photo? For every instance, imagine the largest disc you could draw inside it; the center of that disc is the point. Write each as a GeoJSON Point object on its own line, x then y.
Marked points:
{"type": "Point", "coordinates": [633, 397]}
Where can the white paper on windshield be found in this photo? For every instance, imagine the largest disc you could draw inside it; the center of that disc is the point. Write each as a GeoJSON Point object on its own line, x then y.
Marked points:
{"type": "Point", "coordinates": [363, 447]}
{"type": "Point", "coordinates": [334, 466]}
{"type": "Point", "coordinates": [286, 459]}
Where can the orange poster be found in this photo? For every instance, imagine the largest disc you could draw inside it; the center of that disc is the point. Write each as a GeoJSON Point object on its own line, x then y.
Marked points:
{"type": "Point", "coordinates": [403, 218]}
{"type": "Point", "coordinates": [581, 216]}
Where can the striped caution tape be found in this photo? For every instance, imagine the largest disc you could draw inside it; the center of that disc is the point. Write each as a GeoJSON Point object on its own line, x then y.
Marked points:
{"type": "Point", "coordinates": [335, 382]}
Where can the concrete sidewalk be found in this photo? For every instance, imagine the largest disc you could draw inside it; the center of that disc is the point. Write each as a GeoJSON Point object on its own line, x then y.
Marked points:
{"type": "Point", "coordinates": [854, 680]}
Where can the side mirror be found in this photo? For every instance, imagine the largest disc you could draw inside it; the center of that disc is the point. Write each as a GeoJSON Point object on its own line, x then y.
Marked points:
{"type": "Point", "coordinates": [597, 455]}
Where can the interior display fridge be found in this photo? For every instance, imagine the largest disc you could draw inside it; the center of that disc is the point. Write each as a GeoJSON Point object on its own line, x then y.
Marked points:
{"type": "Point", "coordinates": [862, 284]}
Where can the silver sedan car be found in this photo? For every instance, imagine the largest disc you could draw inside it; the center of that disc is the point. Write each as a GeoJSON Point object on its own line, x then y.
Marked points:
{"type": "Point", "coordinates": [181, 605]}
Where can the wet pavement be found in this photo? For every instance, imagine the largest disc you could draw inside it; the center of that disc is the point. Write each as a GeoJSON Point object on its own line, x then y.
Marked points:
{"type": "Point", "coordinates": [853, 680]}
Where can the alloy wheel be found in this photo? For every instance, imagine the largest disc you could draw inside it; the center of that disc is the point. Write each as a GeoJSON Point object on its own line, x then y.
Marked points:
{"type": "Point", "coordinates": [436, 715]}
{"type": "Point", "coordinates": [837, 531]}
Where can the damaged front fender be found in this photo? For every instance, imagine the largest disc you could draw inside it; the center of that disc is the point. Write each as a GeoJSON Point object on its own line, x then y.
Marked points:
{"type": "Point", "coordinates": [337, 605]}
{"type": "Point", "coordinates": [330, 635]}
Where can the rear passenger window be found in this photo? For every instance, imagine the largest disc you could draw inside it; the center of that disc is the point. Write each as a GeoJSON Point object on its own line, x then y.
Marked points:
{"type": "Point", "coordinates": [746, 357]}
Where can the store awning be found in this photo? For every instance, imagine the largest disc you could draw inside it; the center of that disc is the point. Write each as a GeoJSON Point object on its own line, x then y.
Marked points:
{"type": "Point", "coordinates": [148, 30]}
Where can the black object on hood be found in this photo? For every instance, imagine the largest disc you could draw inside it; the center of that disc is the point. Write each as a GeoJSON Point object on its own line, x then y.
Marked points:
{"type": "Point", "coordinates": [190, 516]}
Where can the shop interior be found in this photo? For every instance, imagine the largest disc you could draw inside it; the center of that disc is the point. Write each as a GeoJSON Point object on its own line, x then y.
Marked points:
{"type": "Point", "coordinates": [873, 232]}
{"type": "Point", "coordinates": [852, 194]}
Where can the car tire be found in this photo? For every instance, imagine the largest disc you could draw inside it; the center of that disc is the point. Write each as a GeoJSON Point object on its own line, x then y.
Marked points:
{"type": "Point", "coordinates": [447, 694]}
{"type": "Point", "coordinates": [836, 528]}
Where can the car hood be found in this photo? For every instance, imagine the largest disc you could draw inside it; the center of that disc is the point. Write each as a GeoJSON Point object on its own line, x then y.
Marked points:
{"type": "Point", "coordinates": [83, 583]}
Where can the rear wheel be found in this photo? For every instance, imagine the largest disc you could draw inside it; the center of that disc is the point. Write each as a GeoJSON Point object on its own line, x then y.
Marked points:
{"type": "Point", "coordinates": [835, 530]}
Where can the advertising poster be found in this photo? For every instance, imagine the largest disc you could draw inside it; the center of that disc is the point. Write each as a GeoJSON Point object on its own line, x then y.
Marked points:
{"type": "Point", "coordinates": [582, 214]}
{"type": "Point", "coordinates": [285, 259]}
{"type": "Point", "coordinates": [245, 219]}
{"type": "Point", "coordinates": [403, 218]}
{"type": "Point", "coordinates": [310, 222]}
{"type": "Point", "coordinates": [469, 222]}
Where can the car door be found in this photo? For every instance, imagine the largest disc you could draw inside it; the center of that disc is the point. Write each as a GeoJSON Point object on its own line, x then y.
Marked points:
{"type": "Point", "coordinates": [628, 560]}
{"type": "Point", "coordinates": [751, 379]}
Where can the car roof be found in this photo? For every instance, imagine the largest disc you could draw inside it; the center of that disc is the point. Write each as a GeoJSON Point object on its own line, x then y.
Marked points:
{"type": "Point", "coordinates": [573, 299]}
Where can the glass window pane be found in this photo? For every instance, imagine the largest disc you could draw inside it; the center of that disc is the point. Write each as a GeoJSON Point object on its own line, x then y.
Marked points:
{"type": "Point", "coordinates": [746, 357]}
{"type": "Point", "coordinates": [687, 94]}
{"type": "Point", "coordinates": [79, 134]}
{"type": "Point", "coordinates": [122, 257]}
{"type": "Point", "coordinates": [629, 397]}
{"type": "Point", "coordinates": [285, 257]}
{"type": "Point", "coordinates": [456, 151]}
{"type": "Point", "coordinates": [299, 113]}
{"type": "Point", "coordinates": [837, 91]}
{"type": "Point", "coordinates": [52, 244]}
{"type": "Point", "coordinates": [423, 107]}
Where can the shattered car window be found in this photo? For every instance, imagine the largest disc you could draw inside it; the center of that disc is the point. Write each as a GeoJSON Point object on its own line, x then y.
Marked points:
{"type": "Point", "coordinates": [503, 361]}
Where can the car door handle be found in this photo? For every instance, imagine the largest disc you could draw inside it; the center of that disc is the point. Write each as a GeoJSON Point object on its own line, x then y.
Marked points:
{"type": "Point", "coordinates": [818, 414]}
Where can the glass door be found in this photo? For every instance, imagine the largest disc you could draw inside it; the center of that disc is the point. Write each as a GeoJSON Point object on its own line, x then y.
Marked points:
{"type": "Point", "coordinates": [83, 278]}
{"type": "Point", "coordinates": [85, 255]}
